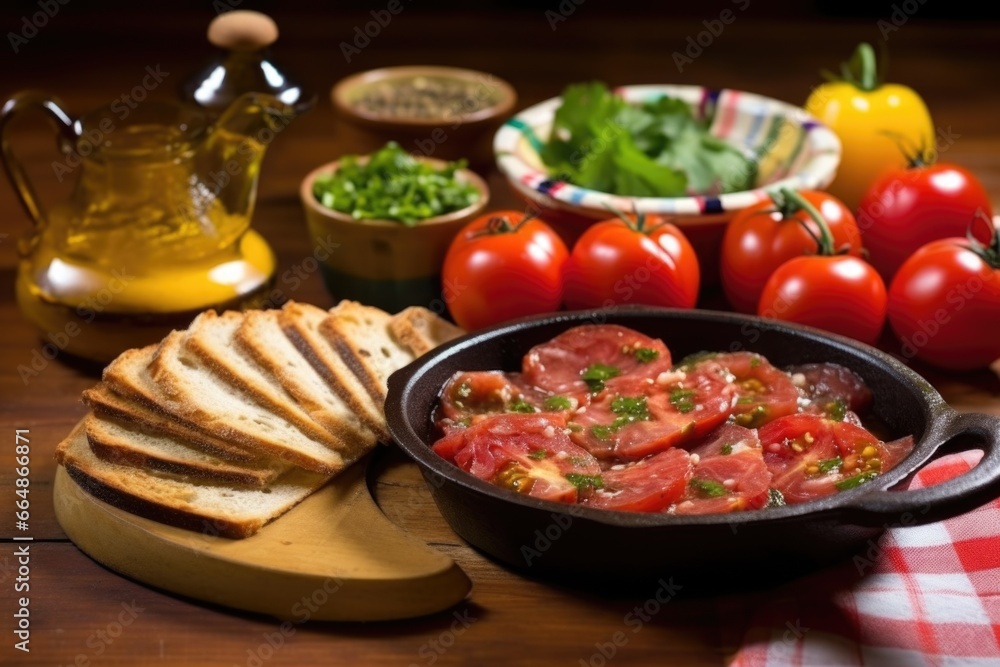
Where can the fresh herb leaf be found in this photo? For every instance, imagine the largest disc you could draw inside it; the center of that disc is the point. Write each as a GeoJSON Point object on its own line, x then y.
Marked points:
{"type": "Point", "coordinates": [775, 498]}
{"type": "Point", "coordinates": [683, 400]}
{"type": "Point", "coordinates": [538, 454]}
{"type": "Point", "coordinates": [754, 361]}
{"type": "Point", "coordinates": [521, 405]}
{"type": "Point", "coordinates": [829, 465]}
{"type": "Point", "coordinates": [597, 374]}
{"type": "Point", "coordinates": [727, 449]}
{"type": "Point", "coordinates": [836, 409]}
{"type": "Point", "coordinates": [555, 403]}
{"type": "Point", "coordinates": [707, 488]}
{"type": "Point", "coordinates": [575, 428]}
{"type": "Point", "coordinates": [394, 185]}
{"type": "Point", "coordinates": [583, 482]}
{"type": "Point", "coordinates": [656, 148]}
{"type": "Point", "coordinates": [644, 355]}
{"type": "Point", "coordinates": [856, 481]}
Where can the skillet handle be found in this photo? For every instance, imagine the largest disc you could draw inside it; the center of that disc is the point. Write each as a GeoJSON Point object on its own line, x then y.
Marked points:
{"type": "Point", "coordinates": [942, 501]}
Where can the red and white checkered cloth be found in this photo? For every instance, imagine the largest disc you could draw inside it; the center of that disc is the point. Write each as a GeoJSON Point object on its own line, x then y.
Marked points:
{"type": "Point", "coordinates": [930, 597]}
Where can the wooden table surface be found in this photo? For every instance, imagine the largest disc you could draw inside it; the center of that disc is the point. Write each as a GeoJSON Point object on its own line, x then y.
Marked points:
{"type": "Point", "coordinates": [89, 59]}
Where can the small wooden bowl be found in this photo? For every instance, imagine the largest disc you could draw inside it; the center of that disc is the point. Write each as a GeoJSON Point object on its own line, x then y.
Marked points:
{"type": "Point", "coordinates": [384, 263]}
{"type": "Point", "coordinates": [450, 137]}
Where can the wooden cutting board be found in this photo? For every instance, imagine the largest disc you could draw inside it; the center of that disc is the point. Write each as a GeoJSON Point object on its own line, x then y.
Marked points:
{"type": "Point", "coordinates": [334, 557]}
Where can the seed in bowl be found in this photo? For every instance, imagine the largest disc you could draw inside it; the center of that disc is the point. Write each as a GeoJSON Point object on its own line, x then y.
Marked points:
{"type": "Point", "coordinates": [424, 97]}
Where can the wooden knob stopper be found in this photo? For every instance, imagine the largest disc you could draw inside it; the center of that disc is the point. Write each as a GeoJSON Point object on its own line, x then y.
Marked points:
{"type": "Point", "coordinates": [242, 30]}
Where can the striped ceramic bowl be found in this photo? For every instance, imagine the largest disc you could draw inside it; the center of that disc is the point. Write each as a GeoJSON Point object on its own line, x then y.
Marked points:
{"type": "Point", "coordinates": [790, 148]}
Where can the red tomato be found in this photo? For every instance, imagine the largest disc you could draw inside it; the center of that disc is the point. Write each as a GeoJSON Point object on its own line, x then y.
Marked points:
{"type": "Point", "coordinates": [635, 417]}
{"type": "Point", "coordinates": [944, 304]}
{"type": "Point", "coordinates": [729, 473]}
{"type": "Point", "coordinates": [576, 362]}
{"type": "Point", "coordinates": [529, 454]}
{"type": "Point", "coordinates": [811, 457]}
{"type": "Point", "coordinates": [650, 485]}
{"type": "Point", "coordinates": [831, 389]}
{"type": "Point", "coordinates": [763, 392]}
{"type": "Point", "coordinates": [646, 261]}
{"type": "Point", "coordinates": [842, 294]}
{"type": "Point", "coordinates": [502, 266]}
{"type": "Point", "coordinates": [908, 208]}
{"type": "Point", "coordinates": [762, 237]}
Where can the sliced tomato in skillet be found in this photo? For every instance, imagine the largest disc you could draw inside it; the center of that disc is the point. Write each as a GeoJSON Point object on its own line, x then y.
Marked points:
{"type": "Point", "coordinates": [763, 392]}
{"type": "Point", "coordinates": [577, 362]}
{"type": "Point", "coordinates": [487, 392]}
{"type": "Point", "coordinates": [729, 473]}
{"type": "Point", "coordinates": [636, 417]}
{"type": "Point", "coordinates": [650, 485]}
{"type": "Point", "coordinates": [529, 454]}
{"type": "Point", "coordinates": [831, 389]}
{"type": "Point", "coordinates": [811, 457]}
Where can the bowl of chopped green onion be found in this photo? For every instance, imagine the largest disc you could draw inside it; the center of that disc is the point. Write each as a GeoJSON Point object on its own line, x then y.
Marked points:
{"type": "Point", "coordinates": [694, 154]}
{"type": "Point", "coordinates": [385, 221]}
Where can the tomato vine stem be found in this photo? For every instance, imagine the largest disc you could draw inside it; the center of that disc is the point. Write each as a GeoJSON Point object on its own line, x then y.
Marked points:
{"type": "Point", "coordinates": [790, 202]}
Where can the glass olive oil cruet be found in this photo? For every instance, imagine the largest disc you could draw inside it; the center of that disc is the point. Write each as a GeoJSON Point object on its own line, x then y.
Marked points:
{"type": "Point", "coordinates": [157, 226]}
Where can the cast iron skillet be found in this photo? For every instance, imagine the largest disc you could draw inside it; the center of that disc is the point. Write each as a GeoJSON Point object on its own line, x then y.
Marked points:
{"type": "Point", "coordinates": [552, 539]}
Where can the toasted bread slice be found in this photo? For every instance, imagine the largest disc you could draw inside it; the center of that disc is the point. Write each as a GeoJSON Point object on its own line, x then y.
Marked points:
{"type": "Point", "coordinates": [301, 323]}
{"type": "Point", "coordinates": [212, 509]}
{"type": "Point", "coordinates": [361, 336]}
{"type": "Point", "coordinates": [104, 402]}
{"type": "Point", "coordinates": [263, 339]}
{"type": "Point", "coordinates": [176, 383]}
{"type": "Point", "coordinates": [213, 338]}
{"type": "Point", "coordinates": [129, 445]}
{"type": "Point", "coordinates": [421, 330]}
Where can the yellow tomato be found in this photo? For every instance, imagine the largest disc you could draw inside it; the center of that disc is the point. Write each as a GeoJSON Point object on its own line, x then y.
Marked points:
{"type": "Point", "coordinates": [881, 126]}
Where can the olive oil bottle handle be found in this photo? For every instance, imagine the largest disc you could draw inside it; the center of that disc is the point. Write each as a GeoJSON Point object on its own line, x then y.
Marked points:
{"type": "Point", "coordinates": [67, 134]}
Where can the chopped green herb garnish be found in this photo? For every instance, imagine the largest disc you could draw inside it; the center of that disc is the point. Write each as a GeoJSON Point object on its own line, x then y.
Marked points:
{"type": "Point", "coordinates": [707, 488]}
{"type": "Point", "coordinates": [600, 431]}
{"type": "Point", "coordinates": [683, 400]}
{"type": "Point", "coordinates": [521, 405]}
{"type": "Point", "coordinates": [597, 374]}
{"type": "Point", "coordinates": [555, 403]}
{"type": "Point", "coordinates": [856, 481]}
{"type": "Point", "coordinates": [575, 428]}
{"type": "Point", "coordinates": [644, 355]}
{"type": "Point", "coordinates": [775, 498]}
{"type": "Point", "coordinates": [465, 421]}
{"type": "Point", "coordinates": [727, 449]}
{"type": "Point", "coordinates": [393, 185]}
{"type": "Point", "coordinates": [829, 465]}
{"type": "Point", "coordinates": [754, 361]}
{"type": "Point", "coordinates": [582, 482]}
{"type": "Point", "coordinates": [745, 400]}
{"type": "Point", "coordinates": [629, 410]}
{"type": "Point", "coordinates": [538, 454]}
{"type": "Point", "coordinates": [836, 409]}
